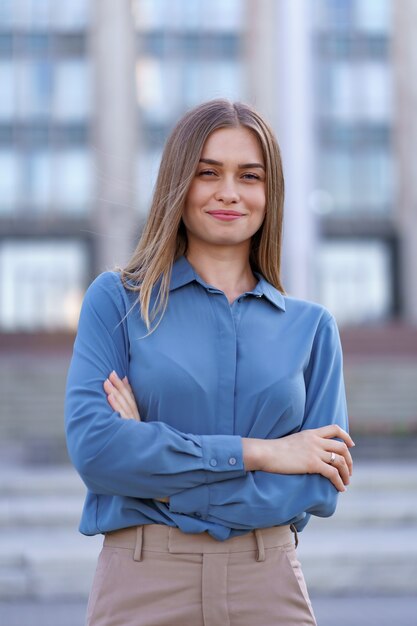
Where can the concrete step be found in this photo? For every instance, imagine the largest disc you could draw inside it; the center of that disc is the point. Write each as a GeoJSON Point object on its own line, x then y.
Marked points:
{"type": "Point", "coordinates": [378, 475]}
{"type": "Point", "coordinates": [51, 563]}
{"type": "Point", "coordinates": [379, 494]}
{"type": "Point", "coordinates": [359, 560]}
{"type": "Point", "coordinates": [47, 563]}
{"type": "Point", "coordinates": [354, 508]}
{"type": "Point", "coordinates": [369, 545]}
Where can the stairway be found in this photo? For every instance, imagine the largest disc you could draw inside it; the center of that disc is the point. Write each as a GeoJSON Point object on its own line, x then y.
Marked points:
{"type": "Point", "coordinates": [368, 546]}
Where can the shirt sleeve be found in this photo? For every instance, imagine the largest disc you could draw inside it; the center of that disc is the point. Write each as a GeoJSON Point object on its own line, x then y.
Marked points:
{"type": "Point", "coordinates": [260, 499]}
{"type": "Point", "coordinates": [116, 456]}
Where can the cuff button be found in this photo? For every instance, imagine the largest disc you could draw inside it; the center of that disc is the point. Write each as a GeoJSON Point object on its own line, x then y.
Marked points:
{"type": "Point", "coordinates": [232, 460]}
{"type": "Point", "coordinates": [213, 462]}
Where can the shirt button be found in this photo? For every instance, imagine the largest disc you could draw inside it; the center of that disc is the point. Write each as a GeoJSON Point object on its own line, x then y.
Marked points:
{"type": "Point", "coordinates": [232, 460]}
{"type": "Point", "coordinates": [198, 514]}
{"type": "Point", "coordinates": [213, 462]}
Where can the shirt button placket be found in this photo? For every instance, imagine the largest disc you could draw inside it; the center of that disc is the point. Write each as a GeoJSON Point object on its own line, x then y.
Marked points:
{"type": "Point", "coordinates": [226, 366]}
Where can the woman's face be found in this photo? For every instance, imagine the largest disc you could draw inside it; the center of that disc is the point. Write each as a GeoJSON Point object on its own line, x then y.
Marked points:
{"type": "Point", "coordinates": [225, 204]}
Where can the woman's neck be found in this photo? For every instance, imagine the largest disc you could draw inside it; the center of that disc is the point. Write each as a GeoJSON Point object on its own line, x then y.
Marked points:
{"type": "Point", "coordinates": [227, 269]}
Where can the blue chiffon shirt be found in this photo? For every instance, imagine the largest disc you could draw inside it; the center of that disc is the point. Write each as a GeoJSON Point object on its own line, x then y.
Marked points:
{"type": "Point", "coordinates": [266, 366]}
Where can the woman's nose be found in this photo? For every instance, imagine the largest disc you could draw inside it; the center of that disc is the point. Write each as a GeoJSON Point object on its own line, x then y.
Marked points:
{"type": "Point", "coordinates": [227, 193]}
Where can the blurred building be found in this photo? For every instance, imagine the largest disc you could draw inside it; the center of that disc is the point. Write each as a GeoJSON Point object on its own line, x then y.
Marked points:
{"type": "Point", "coordinates": [90, 90]}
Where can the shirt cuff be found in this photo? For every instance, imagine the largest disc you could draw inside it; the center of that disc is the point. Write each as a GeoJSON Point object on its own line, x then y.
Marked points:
{"type": "Point", "coordinates": [223, 458]}
{"type": "Point", "coordinates": [222, 453]}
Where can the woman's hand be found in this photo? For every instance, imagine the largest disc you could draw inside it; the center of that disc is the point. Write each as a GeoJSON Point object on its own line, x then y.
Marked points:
{"type": "Point", "coordinates": [121, 399]}
{"type": "Point", "coordinates": [305, 452]}
{"type": "Point", "coordinates": [120, 396]}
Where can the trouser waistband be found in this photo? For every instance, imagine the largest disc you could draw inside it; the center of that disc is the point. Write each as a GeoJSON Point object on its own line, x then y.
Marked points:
{"type": "Point", "coordinates": [162, 538]}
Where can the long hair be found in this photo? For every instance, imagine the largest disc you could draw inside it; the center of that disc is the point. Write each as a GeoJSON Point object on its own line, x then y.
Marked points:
{"type": "Point", "coordinates": [164, 238]}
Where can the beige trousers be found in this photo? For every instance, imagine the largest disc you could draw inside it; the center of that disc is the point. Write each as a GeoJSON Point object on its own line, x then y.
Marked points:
{"type": "Point", "coordinates": [155, 575]}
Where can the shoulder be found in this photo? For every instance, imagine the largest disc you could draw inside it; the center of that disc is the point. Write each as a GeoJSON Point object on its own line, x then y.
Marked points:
{"type": "Point", "coordinates": [106, 289]}
{"type": "Point", "coordinates": [308, 311]}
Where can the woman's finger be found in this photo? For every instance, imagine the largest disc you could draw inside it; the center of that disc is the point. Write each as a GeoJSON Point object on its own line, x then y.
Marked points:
{"type": "Point", "coordinates": [332, 431]}
{"type": "Point", "coordinates": [341, 449]}
{"type": "Point", "coordinates": [337, 461]}
{"type": "Point", "coordinates": [131, 395]}
{"type": "Point", "coordinates": [332, 473]}
{"type": "Point", "coordinates": [118, 400]}
{"type": "Point", "coordinates": [126, 391]}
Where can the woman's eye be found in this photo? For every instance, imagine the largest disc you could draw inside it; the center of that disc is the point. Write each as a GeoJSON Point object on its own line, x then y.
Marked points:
{"type": "Point", "coordinates": [250, 176]}
{"type": "Point", "coordinates": [206, 173]}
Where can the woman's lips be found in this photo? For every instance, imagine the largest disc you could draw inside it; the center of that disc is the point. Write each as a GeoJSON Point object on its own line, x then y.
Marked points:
{"type": "Point", "coordinates": [226, 216]}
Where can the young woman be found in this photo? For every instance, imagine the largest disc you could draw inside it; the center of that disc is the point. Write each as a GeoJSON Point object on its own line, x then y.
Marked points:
{"type": "Point", "coordinates": [205, 410]}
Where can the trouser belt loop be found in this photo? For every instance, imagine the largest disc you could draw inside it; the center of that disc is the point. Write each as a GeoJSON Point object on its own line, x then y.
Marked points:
{"type": "Point", "coordinates": [137, 555]}
{"type": "Point", "coordinates": [294, 530]}
{"type": "Point", "coordinates": [260, 545]}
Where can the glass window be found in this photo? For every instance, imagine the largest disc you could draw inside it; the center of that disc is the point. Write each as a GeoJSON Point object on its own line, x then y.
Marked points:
{"type": "Point", "coordinates": [373, 15]}
{"type": "Point", "coordinates": [73, 181]}
{"type": "Point", "coordinates": [166, 88]}
{"type": "Point", "coordinates": [34, 87]}
{"type": "Point", "coordinates": [41, 284]}
{"type": "Point", "coordinates": [333, 14]}
{"type": "Point", "coordinates": [355, 280]}
{"type": "Point", "coordinates": [37, 180]}
{"type": "Point", "coordinates": [205, 80]}
{"type": "Point", "coordinates": [350, 91]}
{"type": "Point", "coordinates": [183, 15]}
{"type": "Point", "coordinates": [335, 176]}
{"type": "Point", "coordinates": [6, 14]}
{"type": "Point", "coordinates": [71, 16]}
{"type": "Point", "coordinates": [7, 90]}
{"type": "Point", "coordinates": [9, 181]}
{"type": "Point", "coordinates": [158, 85]}
{"type": "Point", "coordinates": [147, 171]}
{"type": "Point", "coordinates": [357, 180]}
{"type": "Point", "coordinates": [374, 90]}
{"type": "Point", "coordinates": [72, 97]}
{"type": "Point", "coordinates": [39, 14]}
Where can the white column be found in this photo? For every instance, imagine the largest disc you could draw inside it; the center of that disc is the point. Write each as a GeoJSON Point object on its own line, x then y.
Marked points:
{"type": "Point", "coordinates": [115, 134]}
{"type": "Point", "coordinates": [404, 49]}
{"type": "Point", "coordinates": [280, 77]}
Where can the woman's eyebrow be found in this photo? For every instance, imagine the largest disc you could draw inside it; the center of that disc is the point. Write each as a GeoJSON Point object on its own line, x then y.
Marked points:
{"type": "Point", "coordinates": [240, 165]}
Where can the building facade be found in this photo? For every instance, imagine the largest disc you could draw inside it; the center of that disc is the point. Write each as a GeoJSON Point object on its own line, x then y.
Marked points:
{"type": "Point", "coordinates": [90, 90]}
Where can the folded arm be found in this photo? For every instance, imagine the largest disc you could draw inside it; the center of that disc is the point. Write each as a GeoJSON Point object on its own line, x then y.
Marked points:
{"type": "Point", "coordinates": [128, 457]}
{"type": "Point", "coordinates": [282, 493]}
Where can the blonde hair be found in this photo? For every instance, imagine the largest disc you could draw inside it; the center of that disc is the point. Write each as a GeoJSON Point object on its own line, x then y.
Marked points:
{"type": "Point", "coordinates": [164, 238]}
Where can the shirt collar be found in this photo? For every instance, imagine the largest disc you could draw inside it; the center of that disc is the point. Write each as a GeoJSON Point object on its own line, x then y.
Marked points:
{"type": "Point", "coordinates": [184, 273]}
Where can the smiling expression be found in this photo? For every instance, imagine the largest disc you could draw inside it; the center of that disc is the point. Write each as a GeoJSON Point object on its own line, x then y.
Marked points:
{"type": "Point", "coordinates": [225, 204]}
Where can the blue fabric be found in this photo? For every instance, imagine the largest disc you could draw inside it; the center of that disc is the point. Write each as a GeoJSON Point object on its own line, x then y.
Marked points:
{"type": "Point", "coordinates": [211, 373]}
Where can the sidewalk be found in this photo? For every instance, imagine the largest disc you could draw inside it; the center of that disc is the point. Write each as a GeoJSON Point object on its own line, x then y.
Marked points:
{"type": "Point", "coordinates": [330, 611]}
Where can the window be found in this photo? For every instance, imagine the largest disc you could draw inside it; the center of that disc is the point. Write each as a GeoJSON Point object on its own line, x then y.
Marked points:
{"type": "Point", "coordinates": [72, 90]}
{"type": "Point", "coordinates": [9, 181]}
{"type": "Point", "coordinates": [183, 15]}
{"type": "Point", "coordinates": [355, 280]}
{"type": "Point", "coordinates": [41, 284]}
{"type": "Point", "coordinates": [71, 16]}
{"type": "Point", "coordinates": [147, 171]}
{"type": "Point", "coordinates": [34, 87]}
{"type": "Point", "coordinates": [373, 16]}
{"type": "Point", "coordinates": [356, 90]}
{"type": "Point", "coordinates": [360, 179]}
{"type": "Point", "coordinates": [208, 79]}
{"type": "Point", "coordinates": [73, 181]}
{"type": "Point", "coordinates": [333, 14]}
{"type": "Point", "coordinates": [166, 88]}
{"type": "Point", "coordinates": [7, 90]}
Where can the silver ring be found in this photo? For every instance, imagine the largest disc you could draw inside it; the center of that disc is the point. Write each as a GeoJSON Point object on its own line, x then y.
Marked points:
{"type": "Point", "coordinates": [332, 458]}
